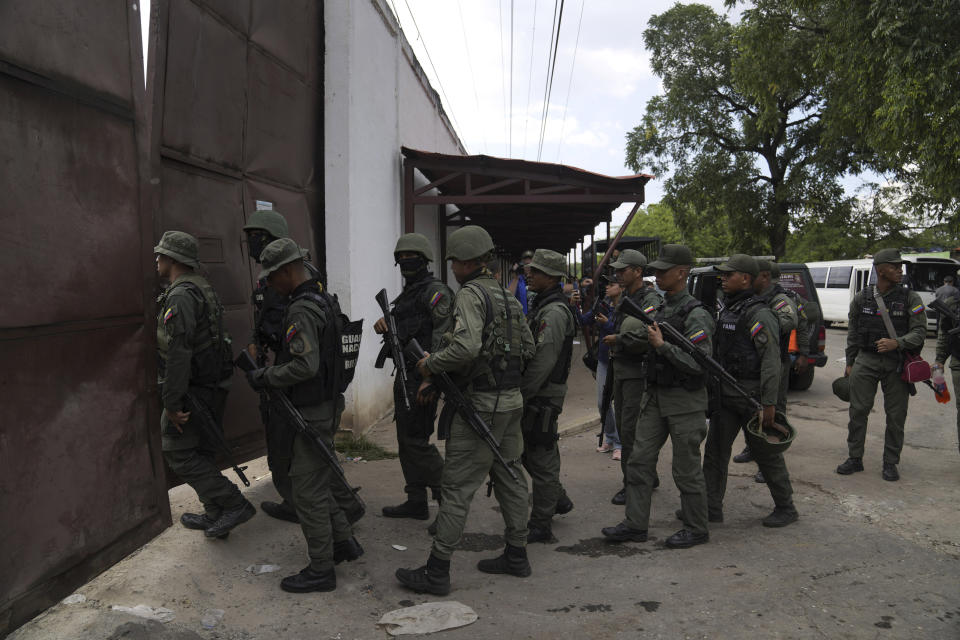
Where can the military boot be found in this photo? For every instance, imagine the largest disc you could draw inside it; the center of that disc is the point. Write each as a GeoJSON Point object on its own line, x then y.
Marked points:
{"type": "Point", "coordinates": [348, 550]}
{"type": "Point", "coordinates": [744, 456]}
{"type": "Point", "coordinates": [850, 465]}
{"type": "Point", "coordinates": [280, 510]}
{"type": "Point", "coordinates": [623, 533]}
{"type": "Point", "coordinates": [564, 505]}
{"type": "Point", "coordinates": [410, 509]}
{"type": "Point", "coordinates": [781, 517]}
{"type": "Point", "coordinates": [538, 534]}
{"type": "Point", "coordinates": [433, 577]}
{"type": "Point", "coordinates": [200, 521]}
{"type": "Point", "coordinates": [230, 519]}
{"type": "Point", "coordinates": [309, 580]}
{"type": "Point", "coordinates": [513, 561]}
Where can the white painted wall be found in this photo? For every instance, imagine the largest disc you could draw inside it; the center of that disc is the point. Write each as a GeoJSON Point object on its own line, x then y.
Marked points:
{"type": "Point", "coordinates": [377, 99]}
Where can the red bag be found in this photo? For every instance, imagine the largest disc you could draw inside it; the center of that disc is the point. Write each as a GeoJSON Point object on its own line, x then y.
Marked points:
{"type": "Point", "coordinates": [915, 369]}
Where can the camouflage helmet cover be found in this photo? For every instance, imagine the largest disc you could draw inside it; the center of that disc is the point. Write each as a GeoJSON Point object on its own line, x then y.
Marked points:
{"type": "Point", "coordinates": [270, 221]}
{"type": "Point", "coordinates": [278, 253]}
{"type": "Point", "coordinates": [180, 246]}
{"type": "Point", "coordinates": [468, 243]}
{"type": "Point", "coordinates": [414, 243]}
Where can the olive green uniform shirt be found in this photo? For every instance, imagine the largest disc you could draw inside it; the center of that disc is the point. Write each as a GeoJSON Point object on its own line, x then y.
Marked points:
{"type": "Point", "coordinates": [632, 342]}
{"type": "Point", "coordinates": [910, 341]}
{"type": "Point", "coordinates": [555, 323]}
{"type": "Point", "coordinates": [943, 340]}
{"type": "Point", "coordinates": [698, 328]}
{"type": "Point", "coordinates": [304, 324]}
{"type": "Point", "coordinates": [785, 310]}
{"type": "Point", "coordinates": [460, 354]}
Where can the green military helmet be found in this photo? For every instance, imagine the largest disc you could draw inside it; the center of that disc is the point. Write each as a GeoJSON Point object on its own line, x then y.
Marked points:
{"type": "Point", "coordinates": [549, 262]}
{"type": "Point", "coordinates": [770, 442]}
{"type": "Point", "coordinates": [468, 243]}
{"type": "Point", "coordinates": [270, 221]}
{"type": "Point", "coordinates": [414, 243]}
{"type": "Point", "coordinates": [180, 246]}
{"type": "Point", "coordinates": [278, 253]}
{"type": "Point", "coordinates": [841, 388]}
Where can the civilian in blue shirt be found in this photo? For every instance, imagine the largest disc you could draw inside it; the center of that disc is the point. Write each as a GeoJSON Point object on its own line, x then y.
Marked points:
{"type": "Point", "coordinates": [603, 320]}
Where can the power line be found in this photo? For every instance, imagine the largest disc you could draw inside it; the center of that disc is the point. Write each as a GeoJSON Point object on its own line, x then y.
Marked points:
{"type": "Point", "coordinates": [533, 40]}
{"type": "Point", "coordinates": [473, 78]}
{"type": "Point", "coordinates": [549, 88]}
{"type": "Point", "coordinates": [510, 112]}
{"type": "Point", "coordinates": [503, 73]}
{"type": "Point", "coordinates": [570, 83]}
{"type": "Point", "coordinates": [446, 100]}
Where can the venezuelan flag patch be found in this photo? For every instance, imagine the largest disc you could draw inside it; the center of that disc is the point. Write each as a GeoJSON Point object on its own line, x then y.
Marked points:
{"type": "Point", "coordinates": [169, 314]}
{"type": "Point", "coordinates": [435, 299]}
{"type": "Point", "coordinates": [917, 309]}
{"type": "Point", "coordinates": [756, 328]}
{"type": "Point", "coordinates": [697, 336]}
{"type": "Point", "coordinates": [291, 331]}
{"type": "Point", "coordinates": [780, 305]}
{"type": "Point", "coordinates": [649, 309]}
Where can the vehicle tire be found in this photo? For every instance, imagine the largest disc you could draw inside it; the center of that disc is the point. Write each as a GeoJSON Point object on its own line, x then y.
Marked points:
{"type": "Point", "coordinates": [802, 381]}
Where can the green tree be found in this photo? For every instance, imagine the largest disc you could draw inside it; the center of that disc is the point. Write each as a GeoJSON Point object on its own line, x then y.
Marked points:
{"type": "Point", "coordinates": [739, 126]}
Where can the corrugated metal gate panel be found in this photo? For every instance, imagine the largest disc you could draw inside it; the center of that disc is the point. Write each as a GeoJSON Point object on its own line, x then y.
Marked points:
{"type": "Point", "coordinates": [241, 106]}
{"type": "Point", "coordinates": [81, 478]}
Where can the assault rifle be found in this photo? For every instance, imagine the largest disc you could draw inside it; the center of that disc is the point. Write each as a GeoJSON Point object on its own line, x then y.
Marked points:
{"type": "Point", "coordinates": [212, 430]}
{"type": "Point", "coordinates": [391, 345]}
{"type": "Point", "coordinates": [453, 395]}
{"type": "Point", "coordinates": [673, 336]}
{"type": "Point", "coordinates": [293, 418]}
{"type": "Point", "coordinates": [941, 307]}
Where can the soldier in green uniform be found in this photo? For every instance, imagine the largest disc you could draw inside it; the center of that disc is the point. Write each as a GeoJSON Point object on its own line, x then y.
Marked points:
{"type": "Point", "coordinates": [305, 371]}
{"type": "Point", "coordinates": [423, 310]}
{"type": "Point", "coordinates": [747, 346]}
{"type": "Point", "coordinates": [788, 317]}
{"type": "Point", "coordinates": [485, 353]}
{"type": "Point", "coordinates": [874, 357]}
{"type": "Point", "coordinates": [628, 349]}
{"type": "Point", "coordinates": [948, 346]}
{"type": "Point", "coordinates": [195, 355]}
{"type": "Point", "coordinates": [543, 387]}
{"type": "Point", "coordinates": [675, 406]}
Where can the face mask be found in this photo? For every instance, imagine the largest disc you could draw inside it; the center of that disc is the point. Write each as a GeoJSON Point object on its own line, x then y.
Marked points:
{"type": "Point", "coordinates": [257, 243]}
{"type": "Point", "coordinates": [411, 266]}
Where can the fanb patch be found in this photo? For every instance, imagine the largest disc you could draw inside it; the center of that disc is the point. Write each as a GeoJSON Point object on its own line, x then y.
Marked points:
{"type": "Point", "coordinates": [170, 312]}
{"type": "Point", "coordinates": [291, 331]}
{"type": "Point", "coordinates": [435, 299]}
{"type": "Point", "coordinates": [697, 336]}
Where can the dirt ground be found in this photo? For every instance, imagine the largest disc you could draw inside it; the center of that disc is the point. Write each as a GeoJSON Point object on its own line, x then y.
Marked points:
{"type": "Point", "coordinates": [868, 558]}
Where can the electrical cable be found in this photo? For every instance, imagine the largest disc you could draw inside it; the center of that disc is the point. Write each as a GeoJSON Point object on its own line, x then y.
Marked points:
{"type": "Point", "coordinates": [573, 65]}
{"type": "Point", "coordinates": [549, 89]}
{"type": "Point", "coordinates": [533, 41]}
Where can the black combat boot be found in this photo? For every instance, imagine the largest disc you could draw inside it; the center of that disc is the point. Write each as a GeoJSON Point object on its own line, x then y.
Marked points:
{"type": "Point", "coordinates": [744, 456]}
{"type": "Point", "coordinates": [890, 472]}
{"type": "Point", "coordinates": [623, 533]}
{"type": "Point", "coordinates": [684, 539]}
{"type": "Point", "coordinates": [781, 517]}
{"type": "Point", "coordinates": [619, 498]}
{"type": "Point", "coordinates": [433, 577]}
{"type": "Point", "coordinates": [348, 550]}
{"type": "Point", "coordinates": [310, 580]}
{"type": "Point", "coordinates": [230, 519]}
{"type": "Point", "coordinates": [759, 479]}
{"type": "Point", "coordinates": [538, 534]}
{"type": "Point", "coordinates": [564, 505]}
{"type": "Point", "coordinates": [512, 561]}
{"type": "Point", "coordinates": [280, 510]}
{"type": "Point", "coordinates": [415, 509]}
{"type": "Point", "coordinates": [850, 465]}
{"type": "Point", "coordinates": [200, 521]}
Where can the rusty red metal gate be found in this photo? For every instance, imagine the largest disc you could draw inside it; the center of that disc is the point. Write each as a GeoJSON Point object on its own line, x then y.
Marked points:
{"type": "Point", "coordinates": [92, 170]}
{"type": "Point", "coordinates": [81, 477]}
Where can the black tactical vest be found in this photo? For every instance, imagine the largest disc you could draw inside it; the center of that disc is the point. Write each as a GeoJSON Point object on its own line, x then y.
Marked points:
{"type": "Point", "coordinates": [734, 344]}
{"type": "Point", "coordinates": [211, 361]}
{"type": "Point", "coordinates": [320, 388]}
{"type": "Point", "coordinates": [870, 323]}
{"type": "Point", "coordinates": [662, 372]}
{"type": "Point", "coordinates": [412, 314]}
{"type": "Point", "coordinates": [561, 370]}
{"type": "Point", "coordinates": [269, 308]}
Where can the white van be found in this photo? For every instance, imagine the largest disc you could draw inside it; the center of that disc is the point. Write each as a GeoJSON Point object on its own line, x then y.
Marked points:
{"type": "Point", "coordinates": [838, 280]}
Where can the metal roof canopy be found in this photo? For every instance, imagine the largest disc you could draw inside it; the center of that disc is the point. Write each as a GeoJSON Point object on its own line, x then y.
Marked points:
{"type": "Point", "coordinates": [523, 204]}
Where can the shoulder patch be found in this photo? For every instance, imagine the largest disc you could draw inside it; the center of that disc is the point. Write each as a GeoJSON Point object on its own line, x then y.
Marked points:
{"type": "Point", "coordinates": [697, 336]}
{"type": "Point", "coordinates": [781, 305]}
{"type": "Point", "coordinates": [291, 332]}
{"type": "Point", "coordinates": [917, 309]}
{"type": "Point", "coordinates": [649, 309]}
{"type": "Point", "coordinates": [756, 328]}
{"type": "Point", "coordinates": [169, 313]}
{"type": "Point", "coordinates": [543, 325]}
{"type": "Point", "coordinates": [435, 299]}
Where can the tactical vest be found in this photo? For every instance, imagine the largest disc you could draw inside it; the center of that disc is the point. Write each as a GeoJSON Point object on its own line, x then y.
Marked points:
{"type": "Point", "coordinates": [661, 371]}
{"type": "Point", "coordinates": [339, 345]}
{"type": "Point", "coordinates": [638, 296]}
{"type": "Point", "coordinates": [735, 348]}
{"type": "Point", "coordinates": [413, 316]}
{"type": "Point", "coordinates": [211, 361]}
{"type": "Point", "coordinates": [269, 308]}
{"type": "Point", "coordinates": [561, 370]}
{"type": "Point", "coordinates": [870, 324]}
{"type": "Point", "coordinates": [784, 340]}
{"type": "Point", "coordinates": [500, 363]}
